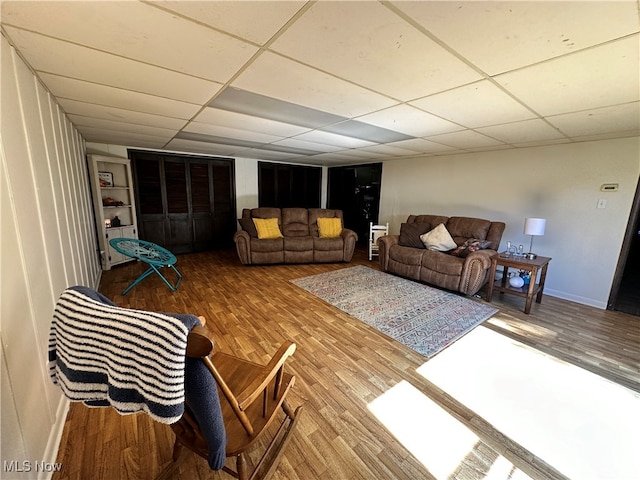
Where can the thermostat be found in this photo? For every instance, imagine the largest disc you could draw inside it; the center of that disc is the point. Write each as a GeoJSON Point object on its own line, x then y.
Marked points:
{"type": "Point", "coordinates": [609, 187]}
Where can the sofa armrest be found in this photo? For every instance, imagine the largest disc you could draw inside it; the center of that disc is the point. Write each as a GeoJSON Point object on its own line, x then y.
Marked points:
{"type": "Point", "coordinates": [349, 239]}
{"type": "Point", "coordinates": [243, 246]}
{"type": "Point", "coordinates": [384, 245]}
{"type": "Point", "coordinates": [475, 271]}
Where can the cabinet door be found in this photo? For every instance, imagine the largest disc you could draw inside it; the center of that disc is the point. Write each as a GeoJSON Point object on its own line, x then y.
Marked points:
{"type": "Point", "coordinates": [177, 206]}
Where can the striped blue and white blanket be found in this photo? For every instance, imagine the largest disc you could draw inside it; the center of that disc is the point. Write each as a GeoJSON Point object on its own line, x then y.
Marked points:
{"type": "Point", "coordinates": [131, 360]}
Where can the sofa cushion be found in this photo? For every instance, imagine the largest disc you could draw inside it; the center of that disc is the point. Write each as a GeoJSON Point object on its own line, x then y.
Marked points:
{"type": "Point", "coordinates": [327, 244]}
{"type": "Point", "coordinates": [298, 244]}
{"type": "Point", "coordinates": [268, 245]}
{"type": "Point", "coordinates": [248, 226]}
{"type": "Point", "coordinates": [464, 228]}
{"type": "Point", "coordinates": [329, 227]}
{"type": "Point", "coordinates": [432, 220]}
{"type": "Point", "coordinates": [442, 263]}
{"type": "Point", "coordinates": [410, 234]}
{"type": "Point", "coordinates": [438, 239]}
{"type": "Point", "coordinates": [295, 222]}
{"type": "Point", "coordinates": [470, 246]}
{"type": "Point", "coordinates": [267, 228]}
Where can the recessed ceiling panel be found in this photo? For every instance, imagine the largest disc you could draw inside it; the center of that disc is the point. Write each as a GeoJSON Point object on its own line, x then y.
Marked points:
{"type": "Point", "coordinates": [333, 139]}
{"type": "Point", "coordinates": [274, 76]}
{"type": "Point", "coordinates": [499, 36]}
{"type": "Point", "coordinates": [183, 145]}
{"type": "Point", "coordinates": [256, 105]}
{"type": "Point", "coordinates": [366, 131]}
{"type": "Point", "coordinates": [132, 139]}
{"type": "Point", "coordinates": [48, 55]}
{"type": "Point", "coordinates": [370, 45]}
{"type": "Point", "coordinates": [468, 105]}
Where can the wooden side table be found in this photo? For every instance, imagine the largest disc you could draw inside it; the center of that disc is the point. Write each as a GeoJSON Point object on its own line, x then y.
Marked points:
{"type": "Point", "coordinates": [518, 263]}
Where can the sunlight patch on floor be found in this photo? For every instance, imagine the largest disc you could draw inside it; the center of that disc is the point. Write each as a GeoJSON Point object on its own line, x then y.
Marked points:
{"type": "Point", "coordinates": [435, 438]}
{"type": "Point", "coordinates": [581, 424]}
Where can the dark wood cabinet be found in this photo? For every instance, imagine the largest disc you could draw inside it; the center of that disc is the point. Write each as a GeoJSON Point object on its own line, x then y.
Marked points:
{"type": "Point", "coordinates": [185, 203]}
{"type": "Point", "coordinates": [282, 185]}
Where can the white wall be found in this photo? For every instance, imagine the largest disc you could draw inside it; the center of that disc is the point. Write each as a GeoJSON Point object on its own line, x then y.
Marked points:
{"type": "Point", "coordinates": [560, 183]}
{"type": "Point", "coordinates": [47, 243]}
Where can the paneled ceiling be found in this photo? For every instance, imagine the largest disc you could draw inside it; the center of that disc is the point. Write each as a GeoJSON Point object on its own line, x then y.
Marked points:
{"type": "Point", "coordinates": [336, 82]}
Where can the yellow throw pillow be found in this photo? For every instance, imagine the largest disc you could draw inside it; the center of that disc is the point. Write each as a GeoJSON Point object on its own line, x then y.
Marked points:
{"type": "Point", "coordinates": [267, 228]}
{"type": "Point", "coordinates": [329, 227]}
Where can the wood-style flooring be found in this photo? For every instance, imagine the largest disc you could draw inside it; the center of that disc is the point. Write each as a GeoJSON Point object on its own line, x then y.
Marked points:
{"type": "Point", "coordinates": [341, 366]}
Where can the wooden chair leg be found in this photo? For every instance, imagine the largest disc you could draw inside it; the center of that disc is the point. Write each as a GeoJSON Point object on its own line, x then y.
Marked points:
{"type": "Point", "coordinates": [241, 465]}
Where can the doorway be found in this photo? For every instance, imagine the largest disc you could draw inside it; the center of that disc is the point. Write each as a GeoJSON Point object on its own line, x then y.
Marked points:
{"type": "Point", "coordinates": [625, 291]}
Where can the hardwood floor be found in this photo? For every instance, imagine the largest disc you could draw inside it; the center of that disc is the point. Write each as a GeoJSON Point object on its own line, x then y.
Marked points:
{"type": "Point", "coordinates": [342, 365]}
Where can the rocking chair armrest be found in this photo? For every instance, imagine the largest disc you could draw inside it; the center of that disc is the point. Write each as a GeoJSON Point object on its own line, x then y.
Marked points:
{"type": "Point", "coordinates": [199, 342]}
{"type": "Point", "coordinates": [273, 368]}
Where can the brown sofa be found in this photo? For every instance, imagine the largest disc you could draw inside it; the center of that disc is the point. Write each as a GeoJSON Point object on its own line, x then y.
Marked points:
{"type": "Point", "coordinates": [462, 269]}
{"type": "Point", "coordinates": [300, 243]}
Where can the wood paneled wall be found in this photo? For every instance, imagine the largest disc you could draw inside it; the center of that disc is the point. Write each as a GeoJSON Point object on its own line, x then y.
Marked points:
{"type": "Point", "coordinates": [48, 243]}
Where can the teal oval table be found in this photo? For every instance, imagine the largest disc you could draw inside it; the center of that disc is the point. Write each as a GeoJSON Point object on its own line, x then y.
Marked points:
{"type": "Point", "coordinates": [153, 255]}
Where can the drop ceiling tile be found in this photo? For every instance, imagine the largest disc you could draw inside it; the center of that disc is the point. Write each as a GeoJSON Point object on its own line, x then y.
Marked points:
{"type": "Point", "coordinates": [522, 32]}
{"type": "Point", "coordinates": [268, 155]}
{"type": "Point", "coordinates": [70, 88]}
{"type": "Point", "coordinates": [388, 150]}
{"type": "Point", "coordinates": [409, 120]}
{"type": "Point", "coordinates": [137, 31]}
{"type": "Point", "coordinates": [84, 109]}
{"type": "Point", "coordinates": [333, 139]}
{"type": "Point", "coordinates": [618, 118]}
{"type": "Point", "coordinates": [256, 21]}
{"type": "Point", "coordinates": [368, 44]}
{"type": "Point", "coordinates": [194, 146]}
{"type": "Point", "coordinates": [49, 55]}
{"type": "Point", "coordinates": [228, 132]}
{"type": "Point", "coordinates": [465, 139]}
{"type": "Point", "coordinates": [239, 121]}
{"type": "Point", "coordinates": [476, 105]}
{"type": "Point", "coordinates": [275, 76]}
{"type": "Point", "coordinates": [304, 145]}
{"type": "Point", "coordinates": [101, 135]}
{"type": "Point", "coordinates": [520, 132]}
{"type": "Point", "coordinates": [600, 76]}
{"type": "Point", "coordinates": [422, 146]}
{"type": "Point", "coordinates": [117, 126]}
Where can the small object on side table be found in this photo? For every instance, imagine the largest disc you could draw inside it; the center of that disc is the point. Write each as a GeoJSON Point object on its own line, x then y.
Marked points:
{"type": "Point", "coordinates": [528, 291]}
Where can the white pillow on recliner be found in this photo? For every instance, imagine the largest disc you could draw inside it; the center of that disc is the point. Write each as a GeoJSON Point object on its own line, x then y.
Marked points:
{"type": "Point", "coordinates": [438, 239]}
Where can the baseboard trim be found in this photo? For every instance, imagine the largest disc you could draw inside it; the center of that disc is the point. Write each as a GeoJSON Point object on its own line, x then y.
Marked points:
{"type": "Point", "coordinates": [55, 435]}
{"type": "Point", "coordinates": [575, 298]}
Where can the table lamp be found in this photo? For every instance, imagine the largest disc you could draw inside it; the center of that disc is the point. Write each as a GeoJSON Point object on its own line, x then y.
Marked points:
{"type": "Point", "coordinates": [533, 227]}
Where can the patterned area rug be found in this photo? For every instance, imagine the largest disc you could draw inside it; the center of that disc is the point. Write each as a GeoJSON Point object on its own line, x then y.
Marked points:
{"type": "Point", "coordinates": [421, 317]}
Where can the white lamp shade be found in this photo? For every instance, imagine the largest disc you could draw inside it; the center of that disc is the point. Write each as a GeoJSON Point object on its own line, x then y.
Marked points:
{"type": "Point", "coordinates": [534, 226]}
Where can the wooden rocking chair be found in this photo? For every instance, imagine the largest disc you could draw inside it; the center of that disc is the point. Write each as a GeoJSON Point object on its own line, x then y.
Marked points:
{"type": "Point", "coordinates": [251, 396]}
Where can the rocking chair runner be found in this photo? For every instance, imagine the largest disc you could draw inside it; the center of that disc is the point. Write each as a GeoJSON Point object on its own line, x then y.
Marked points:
{"type": "Point", "coordinates": [254, 395]}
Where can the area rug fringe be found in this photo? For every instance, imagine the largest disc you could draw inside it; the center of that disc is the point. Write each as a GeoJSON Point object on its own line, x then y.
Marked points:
{"type": "Point", "coordinates": [421, 317]}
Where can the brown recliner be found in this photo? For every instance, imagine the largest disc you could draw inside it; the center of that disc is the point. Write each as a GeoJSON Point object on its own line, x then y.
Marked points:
{"type": "Point", "coordinates": [300, 242]}
{"type": "Point", "coordinates": [465, 274]}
